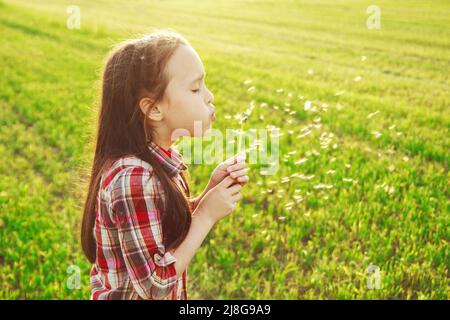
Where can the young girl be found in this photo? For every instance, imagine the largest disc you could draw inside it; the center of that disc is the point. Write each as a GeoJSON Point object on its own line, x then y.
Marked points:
{"type": "Point", "coordinates": [140, 226]}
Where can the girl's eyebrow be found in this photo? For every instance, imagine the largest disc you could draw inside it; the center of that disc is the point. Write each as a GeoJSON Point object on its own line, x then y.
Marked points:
{"type": "Point", "coordinates": [198, 78]}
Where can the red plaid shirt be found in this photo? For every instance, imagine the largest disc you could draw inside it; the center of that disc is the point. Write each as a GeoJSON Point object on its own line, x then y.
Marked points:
{"type": "Point", "coordinates": [132, 262]}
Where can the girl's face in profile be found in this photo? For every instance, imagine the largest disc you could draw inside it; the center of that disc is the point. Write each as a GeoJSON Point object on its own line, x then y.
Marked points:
{"type": "Point", "coordinates": [186, 99]}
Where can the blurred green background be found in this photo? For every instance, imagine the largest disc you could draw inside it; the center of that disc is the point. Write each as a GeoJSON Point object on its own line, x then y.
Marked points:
{"type": "Point", "coordinates": [364, 119]}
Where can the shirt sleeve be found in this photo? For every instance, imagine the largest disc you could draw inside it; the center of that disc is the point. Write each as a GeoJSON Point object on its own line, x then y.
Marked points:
{"type": "Point", "coordinates": [150, 267]}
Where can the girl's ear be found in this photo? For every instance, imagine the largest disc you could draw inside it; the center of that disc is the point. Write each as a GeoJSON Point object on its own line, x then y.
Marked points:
{"type": "Point", "coordinates": [150, 110]}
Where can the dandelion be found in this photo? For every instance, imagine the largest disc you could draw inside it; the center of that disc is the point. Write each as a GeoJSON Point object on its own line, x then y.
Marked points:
{"type": "Point", "coordinates": [242, 119]}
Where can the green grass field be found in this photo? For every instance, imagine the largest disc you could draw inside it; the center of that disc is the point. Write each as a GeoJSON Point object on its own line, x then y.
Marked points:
{"type": "Point", "coordinates": [372, 188]}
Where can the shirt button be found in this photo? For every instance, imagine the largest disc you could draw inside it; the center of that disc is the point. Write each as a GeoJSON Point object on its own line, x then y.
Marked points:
{"type": "Point", "coordinates": [157, 257]}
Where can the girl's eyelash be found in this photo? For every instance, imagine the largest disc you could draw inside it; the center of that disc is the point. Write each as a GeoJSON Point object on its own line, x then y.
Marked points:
{"type": "Point", "coordinates": [195, 90]}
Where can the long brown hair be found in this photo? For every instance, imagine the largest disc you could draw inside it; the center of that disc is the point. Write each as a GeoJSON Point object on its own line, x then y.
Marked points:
{"type": "Point", "coordinates": [133, 70]}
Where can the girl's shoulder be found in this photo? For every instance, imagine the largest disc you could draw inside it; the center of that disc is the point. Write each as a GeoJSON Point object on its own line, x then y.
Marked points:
{"type": "Point", "coordinates": [122, 168]}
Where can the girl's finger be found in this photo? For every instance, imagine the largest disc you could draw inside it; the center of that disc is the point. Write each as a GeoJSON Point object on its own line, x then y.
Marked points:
{"type": "Point", "coordinates": [243, 179]}
{"type": "Point", "coordinates": [234, 188]}
{"type": "Point", "coordinates": [236, 166]}
{"type": "Point", "coordinates": [239, 173]}
{"type": "Point", "coordinates": [236, 197]}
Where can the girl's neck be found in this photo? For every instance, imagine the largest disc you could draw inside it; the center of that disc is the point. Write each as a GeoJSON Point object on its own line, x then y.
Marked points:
{"type": "Point", "coordinates": [163, 143]}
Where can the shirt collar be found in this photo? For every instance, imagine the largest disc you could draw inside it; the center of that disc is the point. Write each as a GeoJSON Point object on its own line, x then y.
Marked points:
{"type": "Point", "coordinates": [172, 163]}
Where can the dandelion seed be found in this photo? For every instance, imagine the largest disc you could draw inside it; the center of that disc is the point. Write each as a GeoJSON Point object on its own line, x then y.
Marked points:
{"type": "Point", "coordinates": [292, 152]}
{"type": "Point", "coordinates": [283, 218]}
{"type": "Point", "coordinates": [316, 119]}
{"type": "Point", "coordinates": [363, 58]}
{"type": "Point", "coordinates": [301, 97]}
{"type": "Point", "coordinates": [263, 105]}
{"type": "Point", "coordinates": [339, 93]}
{"type": "Point", "coordinates": [357, 78]}
{"type": "Point", "coordinates": [227, 116]}
{"type": "Point", "coordinates": [347, 179]}
{"type": "Point", "coordinates": [391, 150]}
{"type": "Point", "coordinates": [323, 186]}
{"type": "Point", "coordinates": [372, 114]}
{"type": "Point", "coordinates": [307, 105]}
{"type": "Point", "coordinates": [248, 81]}
{"type": "Point", "coordinates": [310, 71]}
{"type": "Point", "coordinates": [335, 146]}
{"type": "Point", "coordinates": [255, 215]}
{"type": "Point", "coordinates": [292, 113]}
{"type": "Point", "coordinates": [331, 171]}
{"type": "Point", "coordinates": [275, 107]}
{"type": "Point", "coordinates": [289, 94]}
{"type": "Point", "coordinates": [304, 134]}
{"type": "Point", "coordinates": [405, 158]}
{"type": "Point", "coordinates": [251, 89]}
{"type": "Point", "coordinates": [261, 117]}
{"type": "Point", "coordinates": [291, 131]}
{"type": "Point", "coordinates": [391, 168]}
{"type": "Point", "coordinates": [280, 90]}
{"type": "Point", "coordinates": [339, 106]}
{"type": "Point", "coordinates": [377, 134]}
{"type": "Point", "coordinates": [347, 165]}
{"type": "Point", "coordinates": [399, 133]}
{"type": "Point", "coordinates": [392, 127]}
{"type": "Point", "coordinates": [333, 159]}
{"type": "Point", "coordinates": [300, 161]}
{"type": "Point", "coordinates": [285, 180]}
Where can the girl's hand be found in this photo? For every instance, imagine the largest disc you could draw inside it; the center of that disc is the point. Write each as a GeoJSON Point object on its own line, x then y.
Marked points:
{"type": "Point", "coordinates": [235, 167]}
{"type": "Point", "coordinates": [220, 201]}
